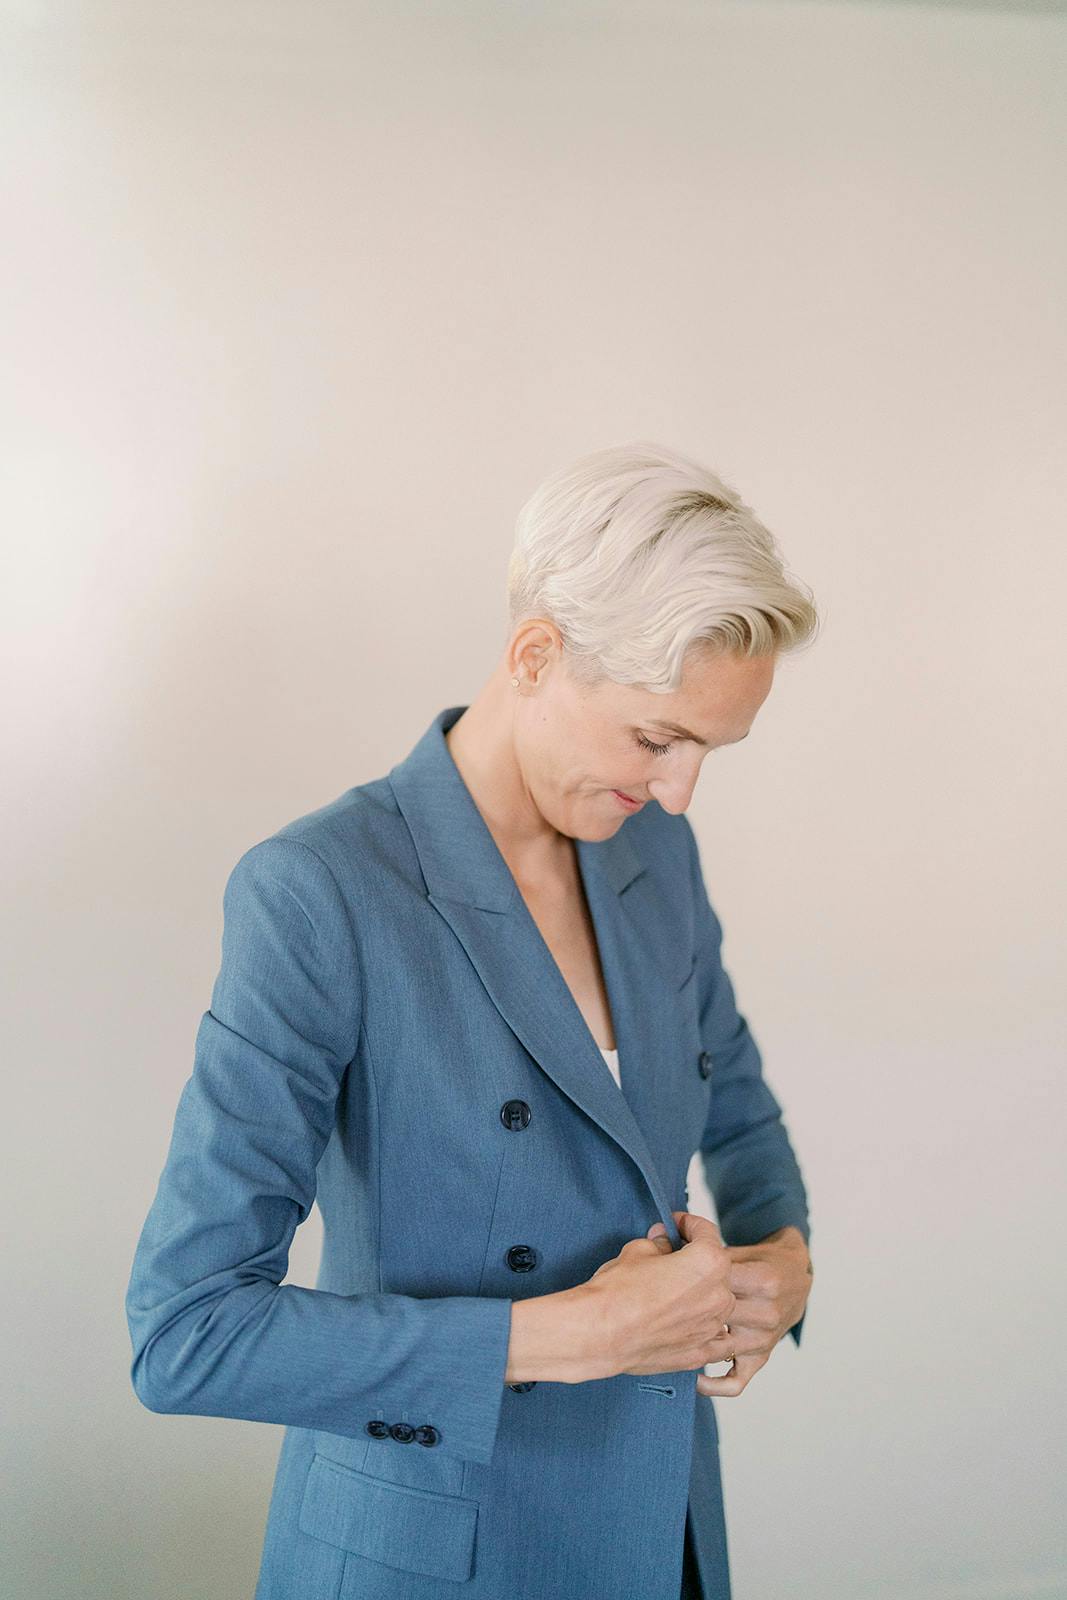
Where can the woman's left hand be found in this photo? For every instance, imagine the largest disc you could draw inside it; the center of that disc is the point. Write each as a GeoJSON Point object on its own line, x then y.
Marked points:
{"type": "Point", "coordinates": [771, 1281]}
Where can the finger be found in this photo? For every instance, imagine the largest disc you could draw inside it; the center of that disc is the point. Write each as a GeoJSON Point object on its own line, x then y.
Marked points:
{"type": "Point", "coordinates": [733, 1382]}
{"type": "Point", "coordinates": [756, 1310]}
{"type": "Point", "coordinates": [644, 1247]}
{"type": "Point", "coordinates": [691, 1226]}
{"type": "Point", "coordinates": [740, 1339]}
{"type": "Point", "coordinates": [753, 1279]}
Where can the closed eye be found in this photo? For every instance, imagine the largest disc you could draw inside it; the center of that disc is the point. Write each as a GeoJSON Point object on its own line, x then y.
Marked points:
{"type": "Point", "coordinates": [657, 749]}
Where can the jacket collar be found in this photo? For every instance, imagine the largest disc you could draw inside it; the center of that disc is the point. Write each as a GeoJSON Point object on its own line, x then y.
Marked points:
{"type": "Point", "coordinates": [458, 854]}
{"type": "Point", "coordinates": [471, 886]}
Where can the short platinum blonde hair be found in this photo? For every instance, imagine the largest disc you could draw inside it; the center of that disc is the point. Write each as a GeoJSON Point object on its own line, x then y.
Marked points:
{"type": "Point", "coordinates": [638, 554]}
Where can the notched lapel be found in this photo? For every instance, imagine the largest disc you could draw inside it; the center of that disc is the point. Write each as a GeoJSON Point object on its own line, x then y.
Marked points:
{"type": "Point", "coordinates": [470, 885]}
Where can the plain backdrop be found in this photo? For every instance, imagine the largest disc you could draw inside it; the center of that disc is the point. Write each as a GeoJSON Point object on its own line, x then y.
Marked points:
{"type": "Point", "coordinates": [300, 303]}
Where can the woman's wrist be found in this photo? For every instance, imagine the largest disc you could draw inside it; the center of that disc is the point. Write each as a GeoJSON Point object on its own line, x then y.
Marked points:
{"type": "Point", "coordinates": [555, 1338]}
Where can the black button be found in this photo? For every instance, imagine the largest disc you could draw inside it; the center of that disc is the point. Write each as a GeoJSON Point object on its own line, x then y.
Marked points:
{"type": "Point", "coordinates": [521, 1258]}
{"type": "Point", "coordinates": [378, 1429]}
{"type": "Point", "coordinates": [705, 1063]}
{"type": "Point", "coordinates": [521, 1388]}
{"type": "Point", "coordinates": [425, 1434]}
{"type": "Point", "coordinates": [515, 1115]}
{"type": "Point", "coordinates": [403, 1432]}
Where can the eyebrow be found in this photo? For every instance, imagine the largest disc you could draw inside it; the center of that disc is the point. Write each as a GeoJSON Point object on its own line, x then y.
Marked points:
{"type": "Point", "coordinates": [674, 727]}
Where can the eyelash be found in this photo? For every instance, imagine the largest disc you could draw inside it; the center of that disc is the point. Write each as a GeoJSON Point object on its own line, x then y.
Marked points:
{"type": "Point", "coordinates": [657, 749]}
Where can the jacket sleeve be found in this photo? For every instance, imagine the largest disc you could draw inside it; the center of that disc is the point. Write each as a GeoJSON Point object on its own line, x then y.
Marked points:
{"type": "Point", "coordinates": [749, 1164]}
{"type": "Point", "coordinates": [214, 1330]}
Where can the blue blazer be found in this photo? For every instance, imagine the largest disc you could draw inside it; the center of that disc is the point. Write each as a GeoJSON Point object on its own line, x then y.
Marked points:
{"type": "Point", "coordinates": [389, 1032]}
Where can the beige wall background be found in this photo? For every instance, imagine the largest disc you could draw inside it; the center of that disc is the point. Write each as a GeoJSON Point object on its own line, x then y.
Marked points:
{"type": "Point", "coordinates": [301, 303]}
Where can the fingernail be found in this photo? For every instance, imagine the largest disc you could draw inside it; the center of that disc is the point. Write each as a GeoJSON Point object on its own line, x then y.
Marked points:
{"type": "Point", "coordinates": [656, 1229]}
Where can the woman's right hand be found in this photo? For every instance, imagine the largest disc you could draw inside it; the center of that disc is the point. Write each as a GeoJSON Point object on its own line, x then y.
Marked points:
{"type": "Point", "coordinates": [658, 1309]}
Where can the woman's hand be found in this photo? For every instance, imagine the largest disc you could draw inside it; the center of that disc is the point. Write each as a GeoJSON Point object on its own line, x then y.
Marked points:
{"type": "Point", "coordinates": [652, 1308]}
{"type": "Point", "coordinates": [771, 1281]}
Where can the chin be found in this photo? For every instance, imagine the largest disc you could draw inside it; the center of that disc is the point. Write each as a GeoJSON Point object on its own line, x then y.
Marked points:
{"type": "Point", "coordinates": [589, 832]}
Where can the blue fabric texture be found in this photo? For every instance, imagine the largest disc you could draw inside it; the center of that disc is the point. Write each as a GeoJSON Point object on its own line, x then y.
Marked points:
{"type": "Point", "coordinates": [389, 1034]}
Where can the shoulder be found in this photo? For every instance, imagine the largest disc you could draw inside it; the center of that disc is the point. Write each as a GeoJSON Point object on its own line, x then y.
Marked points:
{"type": "Point", "coordinates": [326, 852]}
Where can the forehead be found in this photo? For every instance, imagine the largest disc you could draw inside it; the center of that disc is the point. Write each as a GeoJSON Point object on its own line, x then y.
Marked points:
{"type": "Point", "coordinates": [716, 700]}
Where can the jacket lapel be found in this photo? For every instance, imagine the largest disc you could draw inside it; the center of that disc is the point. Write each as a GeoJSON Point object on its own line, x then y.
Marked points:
{"type": "Point", "coordinates": [471, 886]}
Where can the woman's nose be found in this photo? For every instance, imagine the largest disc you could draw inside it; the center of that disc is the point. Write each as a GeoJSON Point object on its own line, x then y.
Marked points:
{"type": "Point", "coordinates": [675, 793]}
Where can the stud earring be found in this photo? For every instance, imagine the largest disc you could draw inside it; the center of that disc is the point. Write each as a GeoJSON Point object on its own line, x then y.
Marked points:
{"type": "Point", "coordinates": [515, 681]}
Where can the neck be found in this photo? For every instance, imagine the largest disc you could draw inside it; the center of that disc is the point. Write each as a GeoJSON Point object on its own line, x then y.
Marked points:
{"type": "Point", "coordinates": [482, 744]}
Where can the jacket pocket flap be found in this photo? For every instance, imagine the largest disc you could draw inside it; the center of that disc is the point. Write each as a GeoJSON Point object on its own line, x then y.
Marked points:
{"type": "Point", "coordinates": [413, 1529]}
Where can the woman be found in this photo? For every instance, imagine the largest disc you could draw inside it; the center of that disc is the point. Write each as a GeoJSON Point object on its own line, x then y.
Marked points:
{"type": "Point", "coordinates": [477, 1007]}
